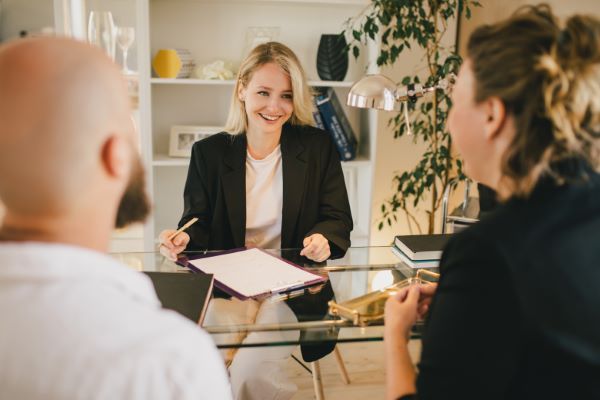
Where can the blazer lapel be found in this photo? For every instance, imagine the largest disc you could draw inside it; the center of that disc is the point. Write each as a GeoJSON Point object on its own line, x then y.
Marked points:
{"type": "Point", "coordinates": [294, 174]}
{"type": "Point", "coordinates": [233, 180]}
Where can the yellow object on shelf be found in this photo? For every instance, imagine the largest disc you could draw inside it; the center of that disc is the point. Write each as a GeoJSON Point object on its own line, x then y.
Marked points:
{"type": "Point", "coordinates": [173, 63]}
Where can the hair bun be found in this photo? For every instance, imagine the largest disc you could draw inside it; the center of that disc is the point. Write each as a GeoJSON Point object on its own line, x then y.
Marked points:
{"type": "Point", "coordinates": [578, 45]}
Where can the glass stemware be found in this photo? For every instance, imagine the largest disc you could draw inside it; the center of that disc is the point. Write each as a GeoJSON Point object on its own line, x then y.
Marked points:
{"type": "Point", "coordinates": [101, 31]}
{"type": "Point", "coordinates": [125, 38]}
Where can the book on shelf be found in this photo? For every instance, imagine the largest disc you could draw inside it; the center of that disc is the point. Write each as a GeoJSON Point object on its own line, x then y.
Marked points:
{"type": "Point", "coordinates": [422, 247]}
{"type": "Point", "coordinates": [186, 293]}
{"type": "Point", "coordinates": [414, 263]}
{"type": "Point", "coordinates": [336, 123]}
{"type": "Point", "coordinates": [317, 115]}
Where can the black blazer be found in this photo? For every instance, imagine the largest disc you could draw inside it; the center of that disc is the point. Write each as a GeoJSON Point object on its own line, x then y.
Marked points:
{"type": "Point", "coordinates": [517, 310]}
{"type": "Point", "coordinates": [314, 193]}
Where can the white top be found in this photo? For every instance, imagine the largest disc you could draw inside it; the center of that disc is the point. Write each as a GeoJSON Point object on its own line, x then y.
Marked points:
{"type": "Point", "coordinates": [76, 324]}
{"type": "Point", "coordinates": [264, 200]}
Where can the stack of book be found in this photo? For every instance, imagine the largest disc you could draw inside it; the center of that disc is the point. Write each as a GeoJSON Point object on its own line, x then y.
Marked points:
{"type": "Point", "coordinates": [329, 115]}
{"type": "Point", "coordinates": [420, 251]}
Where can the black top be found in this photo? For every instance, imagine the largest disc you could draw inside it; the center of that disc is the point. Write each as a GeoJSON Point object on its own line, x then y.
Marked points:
{"type": "Point", "coordinates": [517, 310]}
{"type": "Point", "coordinates": [314, 193]}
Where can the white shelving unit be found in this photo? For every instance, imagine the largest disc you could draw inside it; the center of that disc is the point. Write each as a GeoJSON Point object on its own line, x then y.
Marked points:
{"type": "Point", "coordinates": [213, 30]}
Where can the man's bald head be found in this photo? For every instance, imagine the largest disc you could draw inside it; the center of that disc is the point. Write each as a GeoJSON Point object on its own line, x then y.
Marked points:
{"type": "Point", "coordinates": [60, 100]}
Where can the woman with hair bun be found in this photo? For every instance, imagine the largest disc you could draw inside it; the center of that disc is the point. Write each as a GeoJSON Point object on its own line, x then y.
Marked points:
{"type": "Point", "coordinates": [516, 312]}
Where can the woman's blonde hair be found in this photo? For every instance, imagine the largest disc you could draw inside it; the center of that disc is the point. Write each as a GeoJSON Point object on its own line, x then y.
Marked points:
{"type": "Point", "coordinates": [281, 55]}
{"type": "Point", "coordinates": [549, 80]}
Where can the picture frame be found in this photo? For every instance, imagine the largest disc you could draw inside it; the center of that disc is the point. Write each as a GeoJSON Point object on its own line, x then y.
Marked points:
{"type": "Point", "coordinates": [183, 137]}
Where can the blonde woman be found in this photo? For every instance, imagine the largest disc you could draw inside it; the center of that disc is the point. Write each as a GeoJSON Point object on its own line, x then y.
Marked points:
{"type": "Point", "coordinates": [516, 311]}
{"type": "Point", "coordinates": [272, 180]}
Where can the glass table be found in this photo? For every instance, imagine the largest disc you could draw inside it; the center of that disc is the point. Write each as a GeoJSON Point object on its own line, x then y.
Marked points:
{"type": "Point", "coordinates": [301, 316]}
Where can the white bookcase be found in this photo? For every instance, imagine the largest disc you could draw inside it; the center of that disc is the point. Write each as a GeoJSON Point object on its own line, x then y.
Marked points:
{"type": "Point", "coordinates": [216, 29]}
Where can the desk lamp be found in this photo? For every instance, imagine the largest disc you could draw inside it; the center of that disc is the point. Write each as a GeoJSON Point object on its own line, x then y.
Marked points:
{"type": "Point", "coordinates": [380, 92]}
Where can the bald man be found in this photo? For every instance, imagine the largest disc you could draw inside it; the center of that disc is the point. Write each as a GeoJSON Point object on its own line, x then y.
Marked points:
{"type": "Point", "coordinates": [75, 324]}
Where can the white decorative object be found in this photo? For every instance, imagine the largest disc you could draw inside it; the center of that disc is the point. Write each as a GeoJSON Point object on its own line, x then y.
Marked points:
{"type": "Point", "coordinates": [217, 70]}
{"type": "Point", "coordinates": [183, 138]}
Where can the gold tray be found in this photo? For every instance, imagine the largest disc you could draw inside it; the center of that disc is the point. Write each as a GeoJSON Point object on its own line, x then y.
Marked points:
{"type": "Point", "coordinates": [369, 308]}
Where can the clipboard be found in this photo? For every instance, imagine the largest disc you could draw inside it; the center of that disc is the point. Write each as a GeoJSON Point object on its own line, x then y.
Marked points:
{"type": "Point", "coordinates": [251, 273]}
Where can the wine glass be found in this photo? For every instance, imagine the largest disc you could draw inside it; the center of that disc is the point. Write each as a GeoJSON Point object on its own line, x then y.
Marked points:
{"type": "Point", "coordinates": [101, 31]}
{"type": "Point", "coordinates": [125, 38]}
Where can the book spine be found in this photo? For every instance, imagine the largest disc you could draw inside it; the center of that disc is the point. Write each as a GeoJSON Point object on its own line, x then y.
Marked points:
{"type": "Point", "coordinates": [333, 125]}
{"type": "Point", "coordinates": [317, 115]}
{"type": "Point", "coordinates": [343, 120]}
{"type": "Point", "coordinates": [412, 263]}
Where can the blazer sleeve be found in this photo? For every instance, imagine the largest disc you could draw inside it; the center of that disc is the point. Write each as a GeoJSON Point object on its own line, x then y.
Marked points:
{"type": "Point", "coordinates": [335, 217]}
{"type": "Point", "coordinates": [196, 202]}
{"type": "Point", "coordinates": [473, 338]}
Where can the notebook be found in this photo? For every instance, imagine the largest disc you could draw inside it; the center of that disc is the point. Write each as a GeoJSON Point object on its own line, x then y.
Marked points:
{"type": "Point", "coordinates": [188, 294]}
{"type": "Point", "coordinates": [251, 273]}
{"type": "Point", "coordinates": [422, 247]}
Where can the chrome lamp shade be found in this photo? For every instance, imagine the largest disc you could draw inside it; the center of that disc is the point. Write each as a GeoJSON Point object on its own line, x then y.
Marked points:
{"type": "Point", "coordinates": [380, 92]}
{"type": "Point", "coordinates": [374, 91]}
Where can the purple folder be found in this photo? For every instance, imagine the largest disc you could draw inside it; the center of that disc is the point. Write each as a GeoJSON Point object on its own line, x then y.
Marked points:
{"type": "Point", "coordinates": [184, 261]}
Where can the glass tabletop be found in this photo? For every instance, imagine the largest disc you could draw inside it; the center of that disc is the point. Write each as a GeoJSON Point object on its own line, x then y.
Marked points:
{"type": "Point", "coordinates": [301, 316]}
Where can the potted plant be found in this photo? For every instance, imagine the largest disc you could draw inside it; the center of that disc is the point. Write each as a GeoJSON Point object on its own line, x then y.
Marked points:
{"type": "Point", "coordinates": [399, 25]}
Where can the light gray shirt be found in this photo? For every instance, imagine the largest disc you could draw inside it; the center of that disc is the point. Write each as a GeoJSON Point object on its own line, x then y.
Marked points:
{"type": "Point", "coordinates": [76, 324]}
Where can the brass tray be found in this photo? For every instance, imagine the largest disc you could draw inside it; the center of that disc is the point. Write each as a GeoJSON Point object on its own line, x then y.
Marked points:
{"type": "Point", "coordinates": [369, 308]}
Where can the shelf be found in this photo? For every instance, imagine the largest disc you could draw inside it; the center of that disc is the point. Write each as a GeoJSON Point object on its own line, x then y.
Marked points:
{"type": "Point", "coordinates": [311, 2]}
{"type": "Point", "coordinates": [162, 160]}
{"type": "Point", "coordinates": [217, 82]}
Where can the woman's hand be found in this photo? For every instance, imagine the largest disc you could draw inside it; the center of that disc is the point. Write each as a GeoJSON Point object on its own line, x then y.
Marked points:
{"type": "Point", "coordinates": [427, 291]}
{"type": "Point", "coordinates": [171, 248]}
{"type": "Point", "coordinates": [316, 247]}
{"type": "Point", "coordinates": [401, 312]}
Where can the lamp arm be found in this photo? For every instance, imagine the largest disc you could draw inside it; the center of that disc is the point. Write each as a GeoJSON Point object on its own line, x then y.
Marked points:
{"type": "Point", "coordinates": [410, 93]}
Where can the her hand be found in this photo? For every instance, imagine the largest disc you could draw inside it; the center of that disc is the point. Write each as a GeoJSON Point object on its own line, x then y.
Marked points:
{"type": "Point", "coordinates": [171, 248]}
{"type": "Point", "coordinates": [401, 312]}
{"type": "Point", "coordinates": [427, 291]}
{"type": "Point", "coordinates": [316, 247]}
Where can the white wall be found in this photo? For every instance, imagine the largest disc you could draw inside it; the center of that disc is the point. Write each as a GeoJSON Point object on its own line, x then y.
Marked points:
{"type": "Point", "coordinates": [494, 10]}
{"type": "Point", "coordinates": [29, 15]}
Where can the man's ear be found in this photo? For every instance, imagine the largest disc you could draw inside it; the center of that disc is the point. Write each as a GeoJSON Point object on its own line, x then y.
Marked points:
{"type": "Point", "coordinates": [496, 117]}
{"type": "Point", "coordinates": [115, 156]}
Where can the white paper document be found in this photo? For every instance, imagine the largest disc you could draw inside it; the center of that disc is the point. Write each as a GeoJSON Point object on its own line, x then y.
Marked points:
{"type": "Point", "coordinates": [253, 272]}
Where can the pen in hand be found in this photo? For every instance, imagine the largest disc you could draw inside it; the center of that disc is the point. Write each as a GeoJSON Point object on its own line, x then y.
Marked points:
{"type": "Point", "coordinates": [183, 228]}
{"type": "Point", "coordinates": [173, 242]}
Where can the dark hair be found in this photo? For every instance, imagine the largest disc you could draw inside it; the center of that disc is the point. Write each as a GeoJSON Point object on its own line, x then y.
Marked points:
{"type": "Point", "coordinates": [549, 79]}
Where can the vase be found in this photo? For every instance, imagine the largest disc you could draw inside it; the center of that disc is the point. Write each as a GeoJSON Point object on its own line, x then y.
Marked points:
{"type": "Point", "coordinates": [332, 58]}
